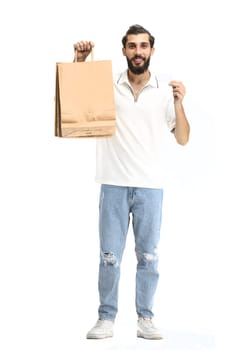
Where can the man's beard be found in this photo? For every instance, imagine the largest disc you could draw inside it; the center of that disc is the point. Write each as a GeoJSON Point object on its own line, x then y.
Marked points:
{"type": "Point", "coordinates": [138, 70]}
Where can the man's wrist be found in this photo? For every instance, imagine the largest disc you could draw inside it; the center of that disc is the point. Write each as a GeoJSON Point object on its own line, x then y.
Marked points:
{"type": "Point", "coordinates": [178, 104]}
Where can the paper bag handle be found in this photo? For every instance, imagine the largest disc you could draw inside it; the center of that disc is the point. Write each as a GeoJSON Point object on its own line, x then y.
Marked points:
{"type": "Point", "coordinates": [76, 53]}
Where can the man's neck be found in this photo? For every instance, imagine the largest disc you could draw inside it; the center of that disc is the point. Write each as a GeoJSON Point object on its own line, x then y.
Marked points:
{"type": "Point", "coordinates": [138, 79]}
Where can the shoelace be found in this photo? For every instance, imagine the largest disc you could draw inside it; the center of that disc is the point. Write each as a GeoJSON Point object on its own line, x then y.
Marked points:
{"type": "Point", "coordinates": [149, 322]}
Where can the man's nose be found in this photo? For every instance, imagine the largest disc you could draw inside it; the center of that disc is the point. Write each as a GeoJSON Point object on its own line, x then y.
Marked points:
{"type": "Point", "coordinates": [138, 49]}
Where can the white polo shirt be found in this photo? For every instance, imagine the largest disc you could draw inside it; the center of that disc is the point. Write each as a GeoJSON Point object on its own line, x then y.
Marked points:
{"type": "Point", "coordinates": [132, 156]}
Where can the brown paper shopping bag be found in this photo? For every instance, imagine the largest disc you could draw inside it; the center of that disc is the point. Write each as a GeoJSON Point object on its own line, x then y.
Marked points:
{"type": "Point", "coordinates": [84, 101]}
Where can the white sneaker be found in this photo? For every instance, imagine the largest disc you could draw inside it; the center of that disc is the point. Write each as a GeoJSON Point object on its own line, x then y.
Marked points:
{"type": "Point", "coordinates": [147, 329]}
{"type": "Point", "coordinates": [102, 329]}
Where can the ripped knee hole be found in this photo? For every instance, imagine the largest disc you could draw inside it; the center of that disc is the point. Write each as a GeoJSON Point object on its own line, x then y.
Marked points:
{"type": "Point", "coordinates": [109, 259]}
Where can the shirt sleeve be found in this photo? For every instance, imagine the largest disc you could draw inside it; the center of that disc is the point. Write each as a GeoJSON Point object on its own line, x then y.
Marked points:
{"type": "Point", "coordinates": [170, 112]}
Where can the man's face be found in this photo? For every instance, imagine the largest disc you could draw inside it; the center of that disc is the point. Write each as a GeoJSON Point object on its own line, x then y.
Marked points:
{"type": "Point", "coordinates": [138, 52]}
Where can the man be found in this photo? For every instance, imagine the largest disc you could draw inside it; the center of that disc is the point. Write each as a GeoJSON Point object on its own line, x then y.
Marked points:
{"type": "Point", "coordinates": [129, 170]}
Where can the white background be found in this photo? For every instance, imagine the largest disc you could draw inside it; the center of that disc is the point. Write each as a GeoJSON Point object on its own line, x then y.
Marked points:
{"type": "Point", "coordinates": [49, 200]}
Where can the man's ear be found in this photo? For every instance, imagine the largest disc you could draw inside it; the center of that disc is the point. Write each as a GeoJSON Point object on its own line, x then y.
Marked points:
{"type": "Point", "coordinates": [152, 51]}
{"type": "Point", "coordinates": [123, 51]}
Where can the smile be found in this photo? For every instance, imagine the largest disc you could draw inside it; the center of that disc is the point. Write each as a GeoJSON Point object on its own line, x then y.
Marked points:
{"type": "Point", "coordinates": [138, 60]}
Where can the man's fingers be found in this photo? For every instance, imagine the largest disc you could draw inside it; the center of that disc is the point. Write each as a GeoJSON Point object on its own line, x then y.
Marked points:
{"type": "Point", "coordinates": [83, 46]}
{"type": "Point", "coordinates": [178, 88]}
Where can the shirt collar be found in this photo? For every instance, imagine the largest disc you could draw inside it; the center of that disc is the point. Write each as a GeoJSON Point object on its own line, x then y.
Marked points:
{"type": "Point", "coordinates": [124, 79]}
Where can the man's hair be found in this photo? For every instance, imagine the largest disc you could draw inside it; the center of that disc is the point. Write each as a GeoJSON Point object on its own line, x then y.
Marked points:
{"type": "Point", "coordinates": [137, 29]}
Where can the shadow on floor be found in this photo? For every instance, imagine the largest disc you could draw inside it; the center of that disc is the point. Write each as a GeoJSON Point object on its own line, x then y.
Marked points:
{"type": "Point", "coordinates": [173, 340]}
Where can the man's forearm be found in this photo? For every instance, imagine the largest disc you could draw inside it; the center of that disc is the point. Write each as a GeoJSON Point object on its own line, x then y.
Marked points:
{"type": "Point", "coordinates": [182, 128]}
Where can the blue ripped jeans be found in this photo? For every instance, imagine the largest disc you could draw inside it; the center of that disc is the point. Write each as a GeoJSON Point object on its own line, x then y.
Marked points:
{"type": "Point", "coordinates": [116, 204]}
